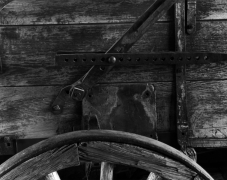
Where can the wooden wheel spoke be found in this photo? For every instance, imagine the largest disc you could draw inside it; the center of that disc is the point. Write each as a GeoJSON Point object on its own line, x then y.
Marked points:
{"type": "Point", "coordinates": [106, 172]}
{"type": "Point", "coordinates": [52, 176]}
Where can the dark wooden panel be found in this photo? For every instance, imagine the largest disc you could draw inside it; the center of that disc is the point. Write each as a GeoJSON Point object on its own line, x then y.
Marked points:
{"type": "Point", "coordinates": [28, 52]}
{"type": "Point", "coordinates": [207, 111]}
{"type": "Point", "coordinates": [24, 12]}
{"type": "Point", "coordinates": [21, 12]}
{"type": "Point", "coordinates": [210, 36]}
{"type": "Point", "coordinates": [45, 39]}
{"type": "Point", "coordinates": [25, 111]}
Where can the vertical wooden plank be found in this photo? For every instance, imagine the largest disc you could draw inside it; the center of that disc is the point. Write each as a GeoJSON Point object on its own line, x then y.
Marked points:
{"type": "Point", "coordinates": [52, 176]}
{"type": "Point", "coordinates": [106, 171]}
{"type": "Point", "coordinates": [180, 44]}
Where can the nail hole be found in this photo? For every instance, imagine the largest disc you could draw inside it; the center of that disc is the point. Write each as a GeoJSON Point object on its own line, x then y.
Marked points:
{"type": "Point", "coordinates": [129, 59]}
{"type": "Point", "coordinates": [172, 58]}
{"type": "Point", "coordinates": [93, 60]}
{"type": "Point", "coordinates": [103, 59]}
{"type": "Point", "coordinates": [147, 94]}
{"type": "Point", "coordinates": [154, 59]}
{"type": "Point", "coordinates": [180, 58]}
{"type": "Point", "coordinates": [138, 59]}
{"type": "Point", "coordinates": [183, 134]}
{"type": "Point", "coordinates": [163, 58]}
{"type": "Point", "coordinates": [102, 68]}
{"type": "Point", "coordinates": [197, 57]}
{"type": "Point", "coordinates": [66, 60]}
{"type": "Point", "coordinates": [189, 58]}
{"type": "Point", "coordinates": [83, 59]}
{"type": "Point", "coordinates": [8, 144]}
{"type": "Point", "coordinates": [75, 60]}
{"type": "Point", "coordinates": [89, 95]}
{"type": "Point", "coordinates": [121, 59]}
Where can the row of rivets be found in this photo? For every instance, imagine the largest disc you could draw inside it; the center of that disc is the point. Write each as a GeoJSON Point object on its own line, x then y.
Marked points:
{"type": "Point", "coordinates": [113, 59]}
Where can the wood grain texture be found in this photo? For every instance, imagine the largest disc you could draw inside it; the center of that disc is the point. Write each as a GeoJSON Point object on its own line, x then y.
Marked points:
{"type": "Point", "coordinates": [207, 109]}
{"type": "Point", "coordinates": [33, 40]}
{"type": "Point", "coordinates": [96, 145]}
{"type": "Point", "coordinates": [25, 111]}
{"type": "Point", "coordinates": [28, 52]}
{"type": "Point", "coordinates": [73, 12]}
{"type": "Point", "coordinates": [136, 157]}
{"type": "Point", "coordinates": [106, 171]}
{"type": "Point", "coordinates": [31, 12]}
{"type": "Point", "coordinates": [39, 166]}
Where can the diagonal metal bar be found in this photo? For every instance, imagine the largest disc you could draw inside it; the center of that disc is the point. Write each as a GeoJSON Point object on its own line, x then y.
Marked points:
{"type": "Point", "coordinates": [137, 30]}
{"type": "Point", "coordinates": [3, 3]}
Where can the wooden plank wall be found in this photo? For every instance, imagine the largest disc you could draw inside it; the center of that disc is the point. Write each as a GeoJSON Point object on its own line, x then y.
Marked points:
{"type": "Point", "coordinates": [32, 31]}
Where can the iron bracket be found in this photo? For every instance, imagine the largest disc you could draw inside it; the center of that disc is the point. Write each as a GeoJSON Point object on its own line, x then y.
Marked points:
{"type": "Point", "coordinates": [191, 16]}
{"type": "Point", "coordinates": [112, 59]}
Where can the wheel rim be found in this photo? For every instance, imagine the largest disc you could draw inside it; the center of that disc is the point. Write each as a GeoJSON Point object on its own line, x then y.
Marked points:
{"type": "Point", "coordinates": [84, 142]}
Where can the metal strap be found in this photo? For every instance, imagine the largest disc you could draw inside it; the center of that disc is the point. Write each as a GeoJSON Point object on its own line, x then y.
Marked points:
{"type": "Point", "coordinates": [147, 20]}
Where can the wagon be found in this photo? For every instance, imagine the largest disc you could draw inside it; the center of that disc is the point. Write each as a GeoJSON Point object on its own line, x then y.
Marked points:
{"type": "Point", "coordinates": [112, 89]}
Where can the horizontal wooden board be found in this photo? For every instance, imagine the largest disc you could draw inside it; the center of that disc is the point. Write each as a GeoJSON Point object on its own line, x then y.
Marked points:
{"type": "Point", "coordinates": [24, 12]}
{"type": "Point", "coordinates": [25, 111]}
{"type": "Point", "coordinates": [207, 111]}
{"type": "Point", "coordinates": [28, 52]}
{"type": "Point", "coordinates": [34, 40]}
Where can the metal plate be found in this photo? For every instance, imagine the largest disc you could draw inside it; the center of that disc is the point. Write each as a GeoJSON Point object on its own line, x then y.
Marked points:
{"type": "Point", "coordinates": [124, 107]}
{"type": "Point", "coordinates": [81, 59]}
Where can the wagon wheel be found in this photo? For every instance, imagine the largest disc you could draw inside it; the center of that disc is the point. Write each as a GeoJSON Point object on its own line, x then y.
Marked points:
{"type": "Point", "coordinates": [74, 148]}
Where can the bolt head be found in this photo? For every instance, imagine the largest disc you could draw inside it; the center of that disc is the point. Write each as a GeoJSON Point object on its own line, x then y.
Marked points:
{"type": "Point", "coordinates": [56, 108]}
{"type": "Point", "coordinates": [112, 59]}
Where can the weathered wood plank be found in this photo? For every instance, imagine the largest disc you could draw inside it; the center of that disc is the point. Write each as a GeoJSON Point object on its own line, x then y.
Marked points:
{"type": "Point", "coordinates": [106, 171]}
{"type": "Point", "coordinates": [24, 12]}
{"type": "Point", "coordinates": [28, 53]}
{"type": "Point", "coordinates": [39, 166]}
{"type": "Point", "coordinates": [210, 36]}
{"type": "Point", "coordinates": [33, 40]}
{"type": "Point", "coordinates": [25, 111]}
{"type": "Point", "coordinates": [211, 9]}
{"type": "Point", "coordinates": [95, 146]}
{"type": "Point", "coordinates": [52, 176]}
{"type": "Point", "coordinates": [207, 109]}
{"type": "Point", "coordinates": [136, 157]}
